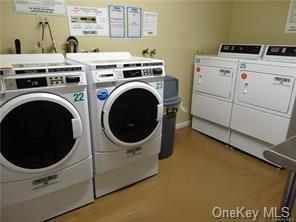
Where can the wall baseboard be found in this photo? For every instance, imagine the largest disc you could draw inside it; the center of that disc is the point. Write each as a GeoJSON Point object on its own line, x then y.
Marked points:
{"type": "Point", "coordinates": [183, 124]}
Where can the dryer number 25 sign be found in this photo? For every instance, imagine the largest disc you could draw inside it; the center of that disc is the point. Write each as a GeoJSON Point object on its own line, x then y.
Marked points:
{"type": "Point", "coordinates": [78, 97]}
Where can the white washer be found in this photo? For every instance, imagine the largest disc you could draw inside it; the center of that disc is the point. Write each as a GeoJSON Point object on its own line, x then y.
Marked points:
{"type": "Point", "coordinates": [46, 160]}
{"type": "Point", "coordinates": [213, 88]}
{"type": "Point", "coordinates": [264, 112]}
{"type": "Point", "coordinates": [126, 109]}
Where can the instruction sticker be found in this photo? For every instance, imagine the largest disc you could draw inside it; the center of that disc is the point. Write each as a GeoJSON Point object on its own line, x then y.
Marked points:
{"type": "Point", "coordinates": [134, 16]}
{"type": "Point", "coordinates": [53, 7]}
{"type": "Point", "coordinates": [116, 21]}
{"type": "Point", "coordinates": [88, 21]}
{"type": "Point", "coordinates": [150, 24]}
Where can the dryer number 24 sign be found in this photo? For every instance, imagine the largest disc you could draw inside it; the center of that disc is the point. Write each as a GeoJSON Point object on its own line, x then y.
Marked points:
{"type": "Point", "coordinates": [78, 97]}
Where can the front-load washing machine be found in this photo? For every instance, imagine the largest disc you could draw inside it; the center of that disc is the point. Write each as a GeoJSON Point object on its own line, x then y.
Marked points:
{"type": "Point", "coordinates": [126, 110]}
{"type": "Point", "coordinates": [46, 160]}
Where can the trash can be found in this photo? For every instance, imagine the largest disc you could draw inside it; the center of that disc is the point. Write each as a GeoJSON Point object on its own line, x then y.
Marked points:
{"type": "Point", "coordinates": [171, 104]}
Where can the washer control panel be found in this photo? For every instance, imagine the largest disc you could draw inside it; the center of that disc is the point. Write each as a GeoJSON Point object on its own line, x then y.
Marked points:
{"type": "Point", "coordinates": [147, 72]}
{"type": "Point", "coordinates": [113, 75]}
{"type": "Point", "coordinates": [132, 73]}
{"type": "Point", "coordinates": [14, 83]}
{"type": "Point", "coordinates": [56, 80]}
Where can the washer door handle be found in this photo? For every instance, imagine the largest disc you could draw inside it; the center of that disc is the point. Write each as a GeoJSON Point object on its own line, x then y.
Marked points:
{"type": "Point", "coordinates": [246, 84]}
{"type": "Point", "coordinates": [77, 128]}
{"type": "Point", "coordinates": [159, 112]}
{"type": "Point", "coordinates": [199, 81]}
{"type": "Point", "coordinates": [2, 91]}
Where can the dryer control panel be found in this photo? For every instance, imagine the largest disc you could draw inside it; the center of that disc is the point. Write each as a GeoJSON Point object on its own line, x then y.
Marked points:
{"type": "Point", "coordinates": [281, 50]}
{"type": "Point", "coordinates": [280, 53]}
{"type": "Point", "coordinates": [241, 51]}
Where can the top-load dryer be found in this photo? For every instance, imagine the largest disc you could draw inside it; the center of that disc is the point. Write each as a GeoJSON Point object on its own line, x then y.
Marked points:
{"type": "Point", "coordinates": [213, 88]}
{"type": "Point", "coordinates": [126, 107]}
{"type": "Point", "coordinates": [264, 111]}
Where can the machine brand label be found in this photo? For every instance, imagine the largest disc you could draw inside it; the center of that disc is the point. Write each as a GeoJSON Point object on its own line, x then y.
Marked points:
{"type": "Point", "coordinates": [133, 152]}
{"type": "Point", "coordinates": [45, 181]}
{"type": "Point", "coordinates": [102, 94]}
{"type": "Point", "coordinates": [225, 72]}
{"type": "Point", "coordinates": [282, 81]}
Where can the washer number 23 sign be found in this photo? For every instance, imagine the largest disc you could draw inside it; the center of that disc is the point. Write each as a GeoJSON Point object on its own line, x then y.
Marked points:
{"type": "Point", "coordinates": [159, 85]}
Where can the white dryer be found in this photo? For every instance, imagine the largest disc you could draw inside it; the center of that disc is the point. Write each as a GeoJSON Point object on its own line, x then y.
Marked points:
{"type": "Point", "coordinates": [264, 111]}
{"type": "Point", "coordinates": [126, 107]}
{"type": "Point", "coordinates": [45, 155]}
{"type": "Point", "coordinates": [213, 88]}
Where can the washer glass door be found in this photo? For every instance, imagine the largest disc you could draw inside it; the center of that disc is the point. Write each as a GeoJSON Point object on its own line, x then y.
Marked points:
{"type": "Point", "coordinates": [133, 114]}
{"type": "Point", "coordinates": [38, 133]}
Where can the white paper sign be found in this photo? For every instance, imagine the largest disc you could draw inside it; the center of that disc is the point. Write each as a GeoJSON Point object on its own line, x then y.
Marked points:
{"type": "Point", "coordinates": [150, 24]}
{"type": "Point", "coordinates": [134, 16]}
{"type": "Point", "coordinates": [88, 21]}
{"type": "Point", "coordinates": [116, 21]}
{"type": "Point", "coordinates": [291, 21]}
{"type": "Point", "coordinates": [53, 7]}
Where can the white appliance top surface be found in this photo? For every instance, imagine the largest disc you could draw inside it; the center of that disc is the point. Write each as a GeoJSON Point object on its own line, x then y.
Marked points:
{"type": "Point", "coordinates": [132, 59]}
{"type": "Point", "coordinates": [216, 57]}
{"type": "Point", "coordinates": [32, 58]}
{"type": "Point", "coordinates": [269, 63]}
{"type": "Point", "coordinates": [34, 61]}
{"type": "Point", "coordinates": [34, 65]}
{"type": "Point", "coordinates": [107, 58]}
{"type": "Point", "coordinates": [98, 56]}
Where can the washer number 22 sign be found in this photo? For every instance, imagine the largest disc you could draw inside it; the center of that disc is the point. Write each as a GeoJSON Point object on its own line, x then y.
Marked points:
{"type": "Point", "coordinates": [78, 97]}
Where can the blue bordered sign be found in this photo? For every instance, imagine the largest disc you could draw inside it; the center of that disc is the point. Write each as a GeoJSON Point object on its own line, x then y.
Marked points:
{"type": "Point", "coordinates": [134, 22]}
{"type": "Point", "coordinates": [116, 21]}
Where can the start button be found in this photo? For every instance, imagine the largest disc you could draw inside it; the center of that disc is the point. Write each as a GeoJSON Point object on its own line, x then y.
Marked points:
{"type": "Point", "coordinates": [244, 75]}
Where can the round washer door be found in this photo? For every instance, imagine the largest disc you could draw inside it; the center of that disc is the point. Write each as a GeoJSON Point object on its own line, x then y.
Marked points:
{"type": "Point", "coordinates": [39, 131]}
{"type": "Point", "coordinates": [132, 114]}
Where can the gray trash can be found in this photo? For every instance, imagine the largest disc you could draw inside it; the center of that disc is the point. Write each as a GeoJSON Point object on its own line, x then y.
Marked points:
{"type": "Point", "coordinates": [171, 104]}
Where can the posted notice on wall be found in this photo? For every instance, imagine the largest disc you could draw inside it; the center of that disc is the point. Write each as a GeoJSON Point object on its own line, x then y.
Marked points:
{"type": "Point", "coordinates": [291, 21]}
{"type": "Point", "coordinates": [88, 21]}
{"type": "Point", "coordinates": [134, 20]}
{"type": "Point", "coordinates": [116, 21]}
{"type": "Point", "coordinates": [150, 24]}
{"type": "Point", "coordinates": [52, 7]}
